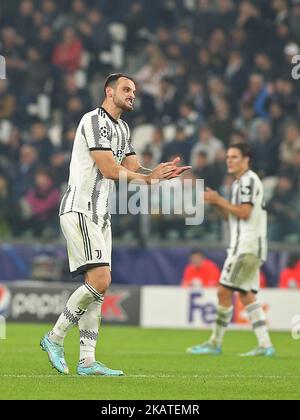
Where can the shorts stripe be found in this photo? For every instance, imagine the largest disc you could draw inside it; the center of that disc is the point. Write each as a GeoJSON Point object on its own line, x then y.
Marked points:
{"type": "Point", "coordinates": [88, 238]}
{"type": "Point", "coordinates": [84, 237]}
{"type": "Point", "coordinates": [236, 271]}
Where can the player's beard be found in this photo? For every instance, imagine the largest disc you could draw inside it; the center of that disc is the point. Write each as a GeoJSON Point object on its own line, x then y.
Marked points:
{"type": "Point", "coordinates": [123, 105]}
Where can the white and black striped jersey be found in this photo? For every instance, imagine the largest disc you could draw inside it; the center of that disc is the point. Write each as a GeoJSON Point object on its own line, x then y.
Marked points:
{"type": "Point", "coordinates": [249, 236]}
{"type": "Point", "coordinates": [88, 190]}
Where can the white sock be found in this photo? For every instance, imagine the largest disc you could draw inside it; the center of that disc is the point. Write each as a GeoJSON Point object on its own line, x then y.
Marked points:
{"type": "Point", "coordinates": [259, 324]}
{"type": "Point", "coordinates": [75, 309]}
{"type": "Point", "coordinates": [224, 317]}
{"type": "Point", "coordinates": [89, 326]}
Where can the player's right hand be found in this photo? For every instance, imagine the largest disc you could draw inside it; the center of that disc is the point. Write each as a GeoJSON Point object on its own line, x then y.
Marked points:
{"type": "Point", "coordinates": [162, 171]}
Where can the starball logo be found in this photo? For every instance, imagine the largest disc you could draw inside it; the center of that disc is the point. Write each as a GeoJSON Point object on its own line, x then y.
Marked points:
{"type": "Point", "coordinates": [2, 67]}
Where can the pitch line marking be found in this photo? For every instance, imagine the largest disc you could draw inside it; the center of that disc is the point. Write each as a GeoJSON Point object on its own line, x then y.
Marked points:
{"type": "Point", "coordinates": [157, 376]}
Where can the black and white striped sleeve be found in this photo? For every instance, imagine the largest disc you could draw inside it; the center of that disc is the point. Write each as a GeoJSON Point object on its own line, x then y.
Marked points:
{"type": "Point", "coordinates": [248, 191]}
{"type": "Point", "coordinates": [97, 133]}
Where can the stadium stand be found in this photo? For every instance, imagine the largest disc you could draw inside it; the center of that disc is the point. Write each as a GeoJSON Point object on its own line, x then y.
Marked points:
{"type": "Point", "coordinates": [208, 72]}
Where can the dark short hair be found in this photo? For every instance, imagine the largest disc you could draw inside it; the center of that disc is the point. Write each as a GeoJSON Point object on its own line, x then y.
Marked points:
{"type": "Point", "coordinates": [197, 251]}
{"type": "Point", "coordinates": [113, 78]}
{"type": "Point", "coordinates": [245, 150]}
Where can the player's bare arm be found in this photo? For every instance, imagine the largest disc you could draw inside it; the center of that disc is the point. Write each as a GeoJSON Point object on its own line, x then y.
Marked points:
{"type": "Point", "coordinates": [111, 170]}
{"type": "Point", "coordinates": [132, 164]}
{"type": "Point", "coordinates": [242, 212]}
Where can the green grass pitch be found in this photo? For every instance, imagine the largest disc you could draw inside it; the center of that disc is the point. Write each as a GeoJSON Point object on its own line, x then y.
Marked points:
{"type": "Point", "coordinates": [156, 366]}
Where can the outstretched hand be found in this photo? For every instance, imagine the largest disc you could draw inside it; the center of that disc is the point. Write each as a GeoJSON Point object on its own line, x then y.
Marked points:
{"type": "Point", "coordinates": [178, 171]}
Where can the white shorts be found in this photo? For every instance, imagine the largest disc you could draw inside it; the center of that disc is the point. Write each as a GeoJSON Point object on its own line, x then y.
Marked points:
{"type": "Point", "coordinates": [89, 245]}
{"type": "Point", "coordinates": [242, 273]}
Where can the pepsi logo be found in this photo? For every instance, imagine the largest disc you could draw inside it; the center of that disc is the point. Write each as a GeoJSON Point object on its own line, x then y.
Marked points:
{"type": "Point", "coordinates": [5, 299]}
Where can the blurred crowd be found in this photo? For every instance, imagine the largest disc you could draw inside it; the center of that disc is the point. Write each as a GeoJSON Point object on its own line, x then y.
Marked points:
{"type": "Point", "coordinates": [209, 73]}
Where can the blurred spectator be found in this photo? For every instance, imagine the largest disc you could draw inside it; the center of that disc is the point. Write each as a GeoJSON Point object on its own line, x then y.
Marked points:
{"type": "Point", "coordinates": [218, 170]}
{"type": "Point", "coordinates": [7, 101]}
{"type": "Point", "coordinates": [10, 150]}
{"type": "Point", "coordinates": [67, 53]}
{"type": "Point", "coordinates": [79, 9]}
{"type": "Point", "coordinates": [207, 143]}
{"type": "Point", "coordinates": [59, 165]}
{"type": "Point", "coordinates": [283, 214]}
{"type": "Point", "coordinates": [196, 96]}
{"type": "Point", "coordinates": [263, 65]}
{"type": "Point", "coordinates": [73, 112]}
{"type": "Point", "coordinates": [40, 205]}
{"type": "Point", "coordinates": [94, 32]}
{"type": "Point", "coordinates": [227, 15]}
{"type": "Point", "coordinates": [290, 276]}
{"type": "Point", "coordinates": [277, 118]}
{"type": "Point", "coordinates": [189, 119]}
{"type": "Point", "coordinates": [72, 90]}
{"type": "Point", "coordinates": [293, 169]}
{"type": "Point", "coordinates": [24, 17]}
{"type": "Point", "coordinates": [200, 272]}
{"type": "Point", "coordinates": [291, 142]}
{"type": "Point", "coordinates": [40, 141]}
{"type": "Point", "coordinates": [157, 145]}
{"type": "Point", "coordinates": [281, 8]}
{"type": "Point", "coordinates": [236, 74]}
{"type": "Point", "coordinates": [202, 169]}
{"type": "Point", "coordinates": [204, 20]}
{"type": "Point", "coordinates": [11, 49]}
{"type": "Point", "coordinates": [166, 101]}
{"type": "Point", "coordinates": [153, 72]}
{"type": "Point", "coordinates": [185, 41]}
{"type": "Point", "coordinates": [222, 123]}
{"type": "Point", "coordinates": [285, 93]}
{"type": "Point", "coordinates": [36, 75]}
{"type": "Point", "coordinates": [180, 146]}
{"type": "Point", "coordinates": [258, 94]}
{"type": "Point", "coordinates": [256, 29]}
{"type": "Point", "coordinates": [295, 20]}
{"type": "Point", "coordinates": [50, 11]}
{"type": "Point", "coordinates": [147, 160]}
{"type": "Point", "coordinates": [8, 209]}
{"type": "Point", "coordinates": [265, 149]}
{"type": "Point", "coordinates": [45, 42]}
{"type": "Point", "coordinates": [246, 121]}
{"type": "Point", "coordinates": [68, 139]}
{"type": "Point", "coordinates": [25, 170]}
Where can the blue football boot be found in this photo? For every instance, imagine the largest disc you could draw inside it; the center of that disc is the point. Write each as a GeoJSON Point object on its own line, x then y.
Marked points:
{"type": "Point", "coordinates": [56, 355]}
{"type": "Point", "coordinates": [98, 369]}
{"type": "Point", "coordinates": [206, 349]}
{"type": "Point", "coordinates": [260, 352]}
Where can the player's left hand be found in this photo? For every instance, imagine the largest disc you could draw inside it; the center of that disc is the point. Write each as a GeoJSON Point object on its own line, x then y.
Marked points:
{"type": "Point", "coordinates": [211, 197]}
{"type": "Point", "coordinates": [180, 170]}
